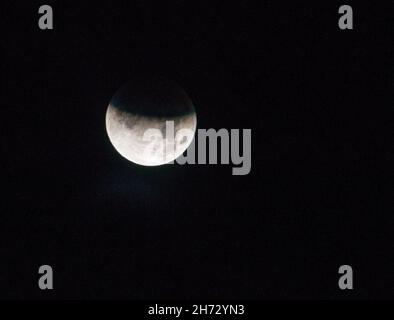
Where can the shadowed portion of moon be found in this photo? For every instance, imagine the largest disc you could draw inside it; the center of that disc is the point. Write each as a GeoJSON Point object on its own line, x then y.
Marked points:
{"type": "Point", "coordinates": [143, 105]}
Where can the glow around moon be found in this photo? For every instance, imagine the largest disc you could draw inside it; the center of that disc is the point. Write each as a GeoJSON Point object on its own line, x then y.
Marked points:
{"type": "Point", "coordinates": [151, 121]}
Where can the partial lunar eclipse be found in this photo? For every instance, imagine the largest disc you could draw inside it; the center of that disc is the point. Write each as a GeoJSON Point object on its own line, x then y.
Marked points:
{"type": "Point", "coordinates": [136, 121]}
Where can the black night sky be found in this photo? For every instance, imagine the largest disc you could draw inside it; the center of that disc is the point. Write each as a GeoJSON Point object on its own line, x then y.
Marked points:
{"type": "Point", "coordinates": [319, 194]}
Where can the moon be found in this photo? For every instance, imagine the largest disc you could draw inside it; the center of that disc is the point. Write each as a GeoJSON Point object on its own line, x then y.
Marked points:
{"type": "Point", "coordinates": [151, 122]}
